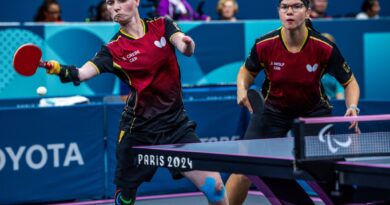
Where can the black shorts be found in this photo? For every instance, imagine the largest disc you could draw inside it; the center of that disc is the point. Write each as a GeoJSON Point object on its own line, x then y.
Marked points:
{"type": "Point", "coordinates": [130, 176]}
{"type": "Point", "coordinates": [272, 124]}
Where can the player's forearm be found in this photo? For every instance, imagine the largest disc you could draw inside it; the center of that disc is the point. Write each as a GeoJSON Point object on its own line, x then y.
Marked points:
{"type": "Point", "coordinates": [69, 73]}
{"type": "Point", "coordinates": [244, 78]}
{"type": "Point", "coordinates": [352, 93]}
{"type": "Point", "coordinates": [183, 43]}
{"type": "Point", "coordinates": [88, 71]}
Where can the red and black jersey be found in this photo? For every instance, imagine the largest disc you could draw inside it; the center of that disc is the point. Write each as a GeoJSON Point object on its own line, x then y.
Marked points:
{"type": "Point", "coordinates": [149, 66]}
{"type": "Point", "coordinates": [293, 80]}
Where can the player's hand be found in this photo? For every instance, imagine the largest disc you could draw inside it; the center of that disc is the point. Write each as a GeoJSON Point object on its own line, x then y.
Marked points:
{"type": "Point", "coordinates": [354, 125]}
{"type": "Point", "coordinates": [53, 67]}
{"type": "Point", "coordinates": [187, 40]}
{"type": "Point", "coordinates": [187, 46]}
{"type": "Point", "coordinates": [242, 99]}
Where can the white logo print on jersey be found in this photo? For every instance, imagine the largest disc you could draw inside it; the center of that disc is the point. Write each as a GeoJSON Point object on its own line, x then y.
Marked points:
{"type": "Point", "coordinates": [312, 68]}
{"type": "Point", "coordinates": [131, 57]}
{"type": "Point", "coordinates": [277, 65]}
{"type": "Point", "coordinates": [161, 43]}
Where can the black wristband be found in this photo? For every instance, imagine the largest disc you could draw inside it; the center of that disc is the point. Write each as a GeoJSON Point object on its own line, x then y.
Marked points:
{"type": "Point", "coordinates": [69, 74]}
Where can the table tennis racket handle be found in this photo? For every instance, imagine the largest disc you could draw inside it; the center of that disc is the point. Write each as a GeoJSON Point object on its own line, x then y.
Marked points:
{"type": "Point", "coordinates": [45, 64]}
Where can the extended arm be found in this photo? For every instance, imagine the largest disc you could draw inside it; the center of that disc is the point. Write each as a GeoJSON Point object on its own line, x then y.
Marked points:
{"type": "Point", "coordinates": [71, 73]}
{"type": "Point", "coordinates": [352, 93]}
{"type": "Point", "coordinates": [245, 79]}
{"type": "Point", "coordinates": [183, 43]}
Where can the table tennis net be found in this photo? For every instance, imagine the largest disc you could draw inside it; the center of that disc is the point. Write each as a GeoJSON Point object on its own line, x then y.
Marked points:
{"type": "Point", "coordinates": [331, 138]}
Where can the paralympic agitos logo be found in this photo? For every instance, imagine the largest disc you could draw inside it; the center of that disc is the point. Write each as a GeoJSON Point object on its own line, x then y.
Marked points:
{"type": "Point", "coordinates": [333, 144]}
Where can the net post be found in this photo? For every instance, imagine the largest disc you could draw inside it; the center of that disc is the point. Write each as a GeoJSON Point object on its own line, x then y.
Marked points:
{"type": "Point", "coordinates": [299, 140]}
{"type": "Point", "coordinates": [298, 151]}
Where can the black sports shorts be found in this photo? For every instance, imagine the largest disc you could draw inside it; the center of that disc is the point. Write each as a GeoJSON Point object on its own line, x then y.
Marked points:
{"type": "Point", "coordinates": [130, 176]}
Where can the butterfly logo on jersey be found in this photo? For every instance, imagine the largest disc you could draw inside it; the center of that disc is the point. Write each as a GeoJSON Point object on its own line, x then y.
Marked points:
{"type": "Point", "coordinates": [161, 43]}
{"type": "Point", "coordinates": [311, 68]}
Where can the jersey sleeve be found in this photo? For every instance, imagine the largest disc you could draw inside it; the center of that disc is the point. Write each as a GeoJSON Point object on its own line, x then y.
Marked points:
{"type": "Point", "coordinates": [103, 60]}
{"type": "Point", "coordinates": [338, 68]}
{"type": "Point", "coordinates": [252, 62]}
{"type": "Point", "coordinates": [170, 27]}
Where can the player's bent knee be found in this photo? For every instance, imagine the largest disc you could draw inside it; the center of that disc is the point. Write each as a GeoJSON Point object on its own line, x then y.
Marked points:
{"type": "Point", "coordinates": [210, 191]}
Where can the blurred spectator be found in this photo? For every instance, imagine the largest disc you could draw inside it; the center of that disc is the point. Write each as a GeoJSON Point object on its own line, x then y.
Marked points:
{"type": "Point", "coordinates": [318, 9]}
{"type": "Point", "coordinates": [181, 10]}
{"type": "Point", "coordinates": [370, 10]}
{"type": "Point", "coordinates": [100, 12]}
{"type": "Point", "coordinates": [149, 8]}
{"type": "Point", "coordinates": [332, 87]}
{"type": "Point", "coordinates": [227, 10]}
{"type": "Point", "coordinates": [49, 11]}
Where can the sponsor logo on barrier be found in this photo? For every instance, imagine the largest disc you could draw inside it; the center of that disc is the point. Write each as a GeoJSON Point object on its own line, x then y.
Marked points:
{"type": "Point", "coordinates": [165, 161]}
{"type": "Point", "coordinates": [219, 139]}
{"type": "Point", "coordinates": [24, 154]}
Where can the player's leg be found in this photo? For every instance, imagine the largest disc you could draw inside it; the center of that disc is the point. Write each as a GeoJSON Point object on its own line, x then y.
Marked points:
{"type": "Point", "coordinates": [266, 125]}
{"type": "Point", "coordinates": [210, 183]}
{"type": "Point", "coordinates": [275, 125]}
{"type": "Point", "coordinates": [128, 176]}
{"type": "Point", "coordinates": [237, 187]}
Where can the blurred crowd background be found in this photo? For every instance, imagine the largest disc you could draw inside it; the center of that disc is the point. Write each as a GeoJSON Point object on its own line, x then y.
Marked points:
{"type": "Point", "coordinates": [93, 10]}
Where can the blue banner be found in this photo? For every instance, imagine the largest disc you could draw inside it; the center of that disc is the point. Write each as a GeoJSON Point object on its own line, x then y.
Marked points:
{"type": "Point", "coordinates": [51, 154]}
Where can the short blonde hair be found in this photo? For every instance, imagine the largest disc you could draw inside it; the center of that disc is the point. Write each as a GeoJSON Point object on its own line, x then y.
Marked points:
{"type": "Point", "coordinates": [222, 2]}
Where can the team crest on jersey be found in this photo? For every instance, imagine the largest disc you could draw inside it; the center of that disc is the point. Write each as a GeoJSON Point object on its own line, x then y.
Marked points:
{"type": "Point", "coordinates": [311, 68]}
{"type": "Point", "coordinates": [277, 65]}
{"type": "Point", "coordinates": [161, 43]}
{"type": "Point", "coordinates": [346, 67]}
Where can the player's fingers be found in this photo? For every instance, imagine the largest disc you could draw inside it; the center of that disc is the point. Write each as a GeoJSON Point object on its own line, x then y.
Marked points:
{"type": "Point", "coordinates": [348, 113]}
{"type": "Point", "coordinates": [357, 129]}
{"type": "Point", "coordinates": [354, 125]}
{"type": "Point", "coordinates": [53, 67]}
{"type": "Point", "coordinates": [187, 39]}
{"type": "Point", "coordinates": [248, 105]}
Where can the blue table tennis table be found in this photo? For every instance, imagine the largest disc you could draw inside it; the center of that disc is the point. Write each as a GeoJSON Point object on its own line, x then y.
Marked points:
{"type": "Point", "coordinates": [271, 158]}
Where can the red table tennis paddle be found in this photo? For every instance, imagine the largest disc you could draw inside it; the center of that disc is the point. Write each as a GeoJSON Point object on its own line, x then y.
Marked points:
{"type": "Point", "coordinates": [27, 59]}
{"type": "Point", "coordinates": [256, 100]}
